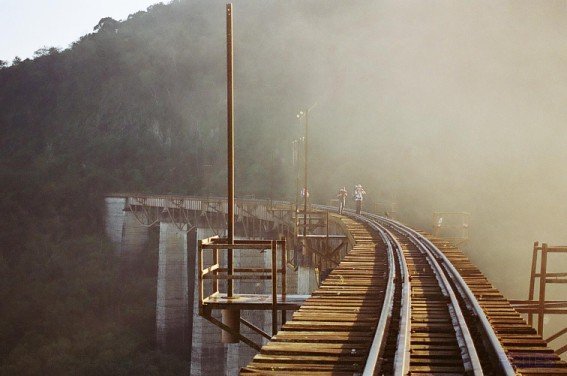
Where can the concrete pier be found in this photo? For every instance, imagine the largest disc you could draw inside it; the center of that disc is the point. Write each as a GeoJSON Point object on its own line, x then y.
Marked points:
{"type": "Point", "coordinates": [114, 220]}
{"type": "Point", "coordinates": [134, 236]}
{"type": "Point", "coordinates": [306, 280]}
{"type": "Point", "coordinates": [179, 328]}
{"type": "Point", "coordinates": [172, 307]}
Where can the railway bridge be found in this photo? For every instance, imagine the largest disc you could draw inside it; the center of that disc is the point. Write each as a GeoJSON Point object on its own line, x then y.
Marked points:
{"type": "Point", "coordinates": [290, 289]}
{"type": "Point", "coordinates": [314, 292]}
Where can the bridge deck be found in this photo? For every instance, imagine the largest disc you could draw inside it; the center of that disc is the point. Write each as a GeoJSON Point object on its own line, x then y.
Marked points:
{"type": "Point", "coordinates": [333, 330]}
{"type": "Point", "coordinates": [528, 352]}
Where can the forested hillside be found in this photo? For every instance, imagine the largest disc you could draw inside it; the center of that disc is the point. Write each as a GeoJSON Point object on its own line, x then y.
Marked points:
{"type": "Point", "coordinates": [135, 106]}
{"type": "Point", "coordinates": [112, 112]}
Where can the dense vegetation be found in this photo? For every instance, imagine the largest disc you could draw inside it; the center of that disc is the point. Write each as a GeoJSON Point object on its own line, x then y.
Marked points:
{"type": "Point", "coordinates": [117, 111]}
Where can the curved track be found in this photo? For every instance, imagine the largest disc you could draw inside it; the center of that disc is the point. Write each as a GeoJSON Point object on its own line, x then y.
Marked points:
{"type": "Point", "coordinates": [399, 305]}
{"type": "Point", "coordinates": [433, 336]}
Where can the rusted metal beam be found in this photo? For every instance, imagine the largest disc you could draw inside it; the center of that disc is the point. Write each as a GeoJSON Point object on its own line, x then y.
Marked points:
{"type": "Point", "coordinates": [255, 328]}
{"type": "Point", "coordinates": [561, 350]}
{"type": "Point", "coordinates": [232, 331]}
{"type": "Point", "coordinates": [556, 335]}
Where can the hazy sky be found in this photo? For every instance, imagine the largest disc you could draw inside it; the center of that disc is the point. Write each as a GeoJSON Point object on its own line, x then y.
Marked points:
{"type": "Point", "coordinates": [27, 25]}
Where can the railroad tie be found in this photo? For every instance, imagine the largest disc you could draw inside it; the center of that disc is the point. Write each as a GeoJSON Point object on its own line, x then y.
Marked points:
{"type": "Point", "coordinates": [333, 330]}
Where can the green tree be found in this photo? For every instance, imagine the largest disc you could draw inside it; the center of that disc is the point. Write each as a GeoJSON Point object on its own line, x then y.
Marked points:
{"type": "Point", "coordinates": [44, 51]}
{"type": "Point", "coordinates": [107, 24]}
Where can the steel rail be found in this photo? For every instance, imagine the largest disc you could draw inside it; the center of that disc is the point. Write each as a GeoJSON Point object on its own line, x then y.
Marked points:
{"type": "Point", "coordinates": [403, 342]}
{"type": "Point", "coordinates": [469, 354]}
{"type": "Point", "coordinates": [387, 306]}
{"type": "Point", "coordinates": [499, 352]}
{"type": "Point", "coordinates": [402, 356]}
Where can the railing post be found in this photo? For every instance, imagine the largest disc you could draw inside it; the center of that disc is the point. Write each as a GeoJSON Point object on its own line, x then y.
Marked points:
{"type": "Point", "coordinates": [284, 266]}
{"type": "Point", "coordinates": [284, 283]}
{"type": "Point", "coordinates": [327, 242]}
{"type": "Point", "coordinates": [532, 281]}
{"type": "Point", "coordinates": [215, 272]}
{"type": "Point", "coordinates": [200, 277]}
{"type": "Point", "coordinates": [542, 278]}
{"type": "Point", "coordinates": [274, 288]}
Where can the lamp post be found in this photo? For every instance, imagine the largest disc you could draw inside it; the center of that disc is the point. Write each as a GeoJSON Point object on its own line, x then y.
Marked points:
{"type": "Point", "coordinates": [295, 158]}
{"type": "Point", "coordinates": [300, 115]}
{"type": "Point", "coordinates": [207, 170]}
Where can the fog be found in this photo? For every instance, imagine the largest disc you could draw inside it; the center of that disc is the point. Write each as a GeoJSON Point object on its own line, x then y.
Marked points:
{"type": "Point", "coordinates": [437, 105]}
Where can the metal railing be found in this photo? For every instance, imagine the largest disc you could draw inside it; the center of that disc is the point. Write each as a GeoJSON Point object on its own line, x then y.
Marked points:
{"type": "Point", "coordinates": [216, 272]}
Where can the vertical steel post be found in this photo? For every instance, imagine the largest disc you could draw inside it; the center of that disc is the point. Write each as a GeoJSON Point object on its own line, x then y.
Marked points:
{"type": "Point", "coordinates": [284, 266]}
{"type": "Point", "coordinates": [284, 285]}
{"type": "Point", "coordinates": [542, 281]}
{"type": "Point", "coordinates": [200, 276]}
{"type": "Point", "coordinates": [230, 317]}
{"type": "Point", "coordinates": [297, 144]}
{"type": "Point", "coordinates": [305, 176]}
{"type": "Point", "coordinates": [216, 264]}
{"type": "Point", "coordinates": [230, 138]}
{"type": "Point", "coordinates": [532, 281]}
{"type": "Point", "coordinates": [327, 240]}
{"type": "Point", "coordinates": [274, 288]}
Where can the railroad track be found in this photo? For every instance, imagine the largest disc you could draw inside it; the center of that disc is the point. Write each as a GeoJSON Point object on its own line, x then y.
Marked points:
{"type": "Point", "coordinates": [400, 303]}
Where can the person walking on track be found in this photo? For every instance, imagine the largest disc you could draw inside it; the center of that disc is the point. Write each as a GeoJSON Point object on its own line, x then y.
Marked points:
{"type": "Point", "coordinates": [358, 196]}
{"type": "Point", "coordinates": [342, 195]}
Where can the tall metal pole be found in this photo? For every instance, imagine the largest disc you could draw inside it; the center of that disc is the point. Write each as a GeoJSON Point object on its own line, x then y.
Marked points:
{"type": "Point", "coordinates": [230, 137]}
{"type": "Point", "coordinates": [297, 152]}
{"type": "Point", "coordinates": [305, 177]}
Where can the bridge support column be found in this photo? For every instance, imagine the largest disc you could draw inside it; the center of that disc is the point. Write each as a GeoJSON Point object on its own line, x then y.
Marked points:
{"type": "Point", "coordinates": [306, 276]}
{"type": "Point", "coordinates": [172, 307]}
{"type": "Point", "coordinates": [306, 280]}
{"type": "Point", "coordinates": [231, 318]}
{"type": "Point", "coordinates": [134, 236]}
{"type": "Point", "coordinates": [114, 220]}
